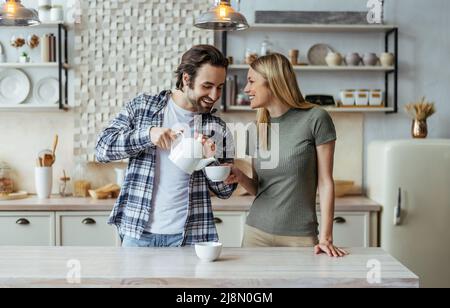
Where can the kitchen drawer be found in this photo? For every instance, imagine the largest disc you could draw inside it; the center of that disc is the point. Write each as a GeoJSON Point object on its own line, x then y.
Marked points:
{"type": "Point", "coordinates": [27, 229]}
{"type": "Point", "coordinates": [85, 229]}
{"type": "Point", "coordinates": [230, 227]}
{"type": "Point", "coordinates": [351, 229]}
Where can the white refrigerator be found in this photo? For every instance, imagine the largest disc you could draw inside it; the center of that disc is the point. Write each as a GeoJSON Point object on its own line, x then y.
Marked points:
{"type": "Point", "coordinates": [411, 180]}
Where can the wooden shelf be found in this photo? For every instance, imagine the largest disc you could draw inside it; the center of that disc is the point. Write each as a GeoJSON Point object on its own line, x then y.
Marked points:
{"type": "Point", "coordinates": [30, 107]}
{"type": "Point", "coordinates": [317, 68]}
{"type": "Point", "coordinates": [240, 108]}
{"type": "Point", "coordinates": [329, 109]}
{"type": "Point", "coordinates": [322, 28]}
{"type": "Point", "coordinates": [390, 73]}
{"type": "Point", "coordinates": [359, 109]}
{"type": "Point", "coordinates": [45, 25]}
{"type": "Point", "coordinates": [29, 65]}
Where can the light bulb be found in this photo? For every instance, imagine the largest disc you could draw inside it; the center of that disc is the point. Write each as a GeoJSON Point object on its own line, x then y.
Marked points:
{"type": "Point", "coordinates": [11, 7]}
{"type": "Point", "coordinates": [223, 11]}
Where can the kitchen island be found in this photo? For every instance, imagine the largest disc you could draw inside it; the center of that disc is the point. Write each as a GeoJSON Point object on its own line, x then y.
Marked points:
{"type": "Point", "coordinates": [180, 268]}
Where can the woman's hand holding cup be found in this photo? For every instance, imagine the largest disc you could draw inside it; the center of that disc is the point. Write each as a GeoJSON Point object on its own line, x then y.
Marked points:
{"type": "Point", "coordinates": [235, 175]}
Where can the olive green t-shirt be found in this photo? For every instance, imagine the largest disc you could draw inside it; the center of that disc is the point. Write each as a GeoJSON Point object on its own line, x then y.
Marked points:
{"type": "Point", "coordinates": [286, 200]}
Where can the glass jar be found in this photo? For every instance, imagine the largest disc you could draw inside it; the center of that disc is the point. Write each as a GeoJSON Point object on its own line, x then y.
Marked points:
{"type": "Point", "coordinates": [63, 186]}
{"type": "Point", "coordinates": [44, 13]}
{"type": "Point", "coordinates": [56, 13]}
{"type": "Point", "coordinates": [81, 185]}
{"type": "Point", "coordinates": [6, 181]}
{"type": "Point", "coordinates": [266, 47]}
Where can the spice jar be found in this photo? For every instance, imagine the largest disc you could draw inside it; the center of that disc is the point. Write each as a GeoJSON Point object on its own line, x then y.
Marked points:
{"type": "Point", "coordinates": [6, 181]}
{"type": "Point", "coordinates": [81, 184]}
{"type": "Point", "coordinates": [63, 184]}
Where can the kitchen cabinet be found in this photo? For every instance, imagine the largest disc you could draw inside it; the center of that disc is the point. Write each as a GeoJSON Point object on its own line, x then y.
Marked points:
{"type": "Point", "coordinates": [351, 229]}
{"type": "Point", "coordinates": [230, 227]}
{"type": "Point", "coordinates": [85, 229]}
{"type": "Point", "coordinates": [27, 229]}
{"type": "Point", "coordinates": [82, 222]}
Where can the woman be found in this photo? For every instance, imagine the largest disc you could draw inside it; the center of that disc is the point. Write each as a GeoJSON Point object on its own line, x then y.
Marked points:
{"type": "Point", "coordinates": [284, 210]}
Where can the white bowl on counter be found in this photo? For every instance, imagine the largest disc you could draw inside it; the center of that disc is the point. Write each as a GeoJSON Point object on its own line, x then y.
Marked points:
{"type": "Point", "coordinates": [208, 251]}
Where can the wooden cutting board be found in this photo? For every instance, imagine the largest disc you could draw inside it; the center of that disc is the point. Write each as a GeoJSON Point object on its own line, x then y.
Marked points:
{"type": "Point", "coordinates": [15, 196]}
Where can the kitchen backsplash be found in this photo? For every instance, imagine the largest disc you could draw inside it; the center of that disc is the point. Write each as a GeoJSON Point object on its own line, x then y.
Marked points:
{"type": "Point", "coordinates": [125, 47]}
{"type": "Point", "coordinates": [24, 135]}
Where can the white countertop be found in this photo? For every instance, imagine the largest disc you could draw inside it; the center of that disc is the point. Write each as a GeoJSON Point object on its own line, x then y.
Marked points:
{"type": "Point", "coordinates": [180, 267]}
{"type": "Point", "coordinates": [56, 203]}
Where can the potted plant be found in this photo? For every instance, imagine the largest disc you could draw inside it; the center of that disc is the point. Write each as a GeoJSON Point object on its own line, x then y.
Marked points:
{"type": "Point", "coordinates": [24, 57]}
{"type": "Point", "coordinates": [420, 112]}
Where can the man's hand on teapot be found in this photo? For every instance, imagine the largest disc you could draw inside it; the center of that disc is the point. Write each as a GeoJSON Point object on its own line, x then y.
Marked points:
{"type": "Point", "coordinates": [162, 137]}
{"type": "Point", "coordinates": [209, 146]}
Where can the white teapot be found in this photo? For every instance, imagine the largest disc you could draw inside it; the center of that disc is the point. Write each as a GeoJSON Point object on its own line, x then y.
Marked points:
{"type": "Point", "coordinates": [187, 154]}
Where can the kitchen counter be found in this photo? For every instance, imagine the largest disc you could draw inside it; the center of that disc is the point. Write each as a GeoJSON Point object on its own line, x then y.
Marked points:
{"type": "Point", "coordinates": [56, 203]}
{"type": "Point", "coordinates": [180, 268]}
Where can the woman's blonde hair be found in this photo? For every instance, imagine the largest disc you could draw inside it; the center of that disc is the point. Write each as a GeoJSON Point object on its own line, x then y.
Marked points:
{"type": "Point", "coordinates": [279, 74]}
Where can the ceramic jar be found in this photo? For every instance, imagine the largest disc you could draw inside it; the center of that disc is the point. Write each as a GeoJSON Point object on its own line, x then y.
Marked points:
{"type": "Point", "coordinates": [370, 59]}
{"type": "Point", "coordinates": [387, 59]}
{"type": "Point", "coordinates": [353, 59]}
{"type": "Point", "coordinates": [293, 56]}
{"type": "Point", "coordinates": [348, 97]}
{"type": "Point", "coordinates": [57, 13]}
{"type": "Point", "coordinates": [334, 59]}
{"type": "Point", "coordinates": [362, 97]}
{"type": "Point", "coordinates": [44, 13]}
{"type": "Point", "coordinates": [376, 98]}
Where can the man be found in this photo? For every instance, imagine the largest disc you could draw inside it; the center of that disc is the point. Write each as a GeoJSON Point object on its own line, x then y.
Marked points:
{"type": "Point", "coordinates": [159, 204]}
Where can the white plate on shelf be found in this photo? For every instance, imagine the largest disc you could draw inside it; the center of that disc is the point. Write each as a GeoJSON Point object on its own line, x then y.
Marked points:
{"type": "Point", "coordinates": [46, 91]}
{"type": "Point", "coordinates": [14, 86]}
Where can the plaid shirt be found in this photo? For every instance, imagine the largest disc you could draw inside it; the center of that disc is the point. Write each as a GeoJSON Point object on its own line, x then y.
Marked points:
{"type": "Point", "coordinates": [128, 137]}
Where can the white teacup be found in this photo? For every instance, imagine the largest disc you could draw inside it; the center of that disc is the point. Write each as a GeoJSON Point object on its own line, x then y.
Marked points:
{"type": "Point", "coordinates": [218, 173]}
{"type": "Point", "coordinates": [208, 251]}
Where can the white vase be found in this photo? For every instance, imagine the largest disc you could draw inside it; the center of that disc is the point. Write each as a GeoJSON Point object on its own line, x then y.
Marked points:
{"type": "Point", "coordinates": [23, 59]}
{"type": "Point", "coordinates": [43, 181]}
{"type": "Point", "coordinates": [387, 59]}
{"type": "Point", "coordinates": [334, 59]}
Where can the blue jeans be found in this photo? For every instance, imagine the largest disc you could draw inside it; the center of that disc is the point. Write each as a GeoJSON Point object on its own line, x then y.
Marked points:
{"type": "Point", "coordinates": [154, 240]}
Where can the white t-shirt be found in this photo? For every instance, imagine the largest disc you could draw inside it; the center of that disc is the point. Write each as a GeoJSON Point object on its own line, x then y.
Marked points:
{"type": "Point", "coordinates": [171, 187]}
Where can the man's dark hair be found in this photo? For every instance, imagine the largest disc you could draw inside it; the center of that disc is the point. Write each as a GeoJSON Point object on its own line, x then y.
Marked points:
{"type": "Point", "coordinates": [194, 58]}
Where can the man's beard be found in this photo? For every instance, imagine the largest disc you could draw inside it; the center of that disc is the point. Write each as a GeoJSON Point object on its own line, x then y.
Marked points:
{"type": "Point", "coordinates": [195, 102]}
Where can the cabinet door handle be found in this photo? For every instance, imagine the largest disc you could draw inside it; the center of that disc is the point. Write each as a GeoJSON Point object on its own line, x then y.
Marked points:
{"type": "Point", "coordinates": [217, 220]}
{"type": "Point", "coordinates": [89, 221]}
{"type": "Point", "coordinates": [398, 208]}
{"type": "Point", "coordinates": [23, 222]}
{"type": "Point", "coordinates": [340, 220]}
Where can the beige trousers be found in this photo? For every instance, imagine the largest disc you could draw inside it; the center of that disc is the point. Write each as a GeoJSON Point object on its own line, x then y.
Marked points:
{"type": "Point", "coordinates": [254, 237]}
